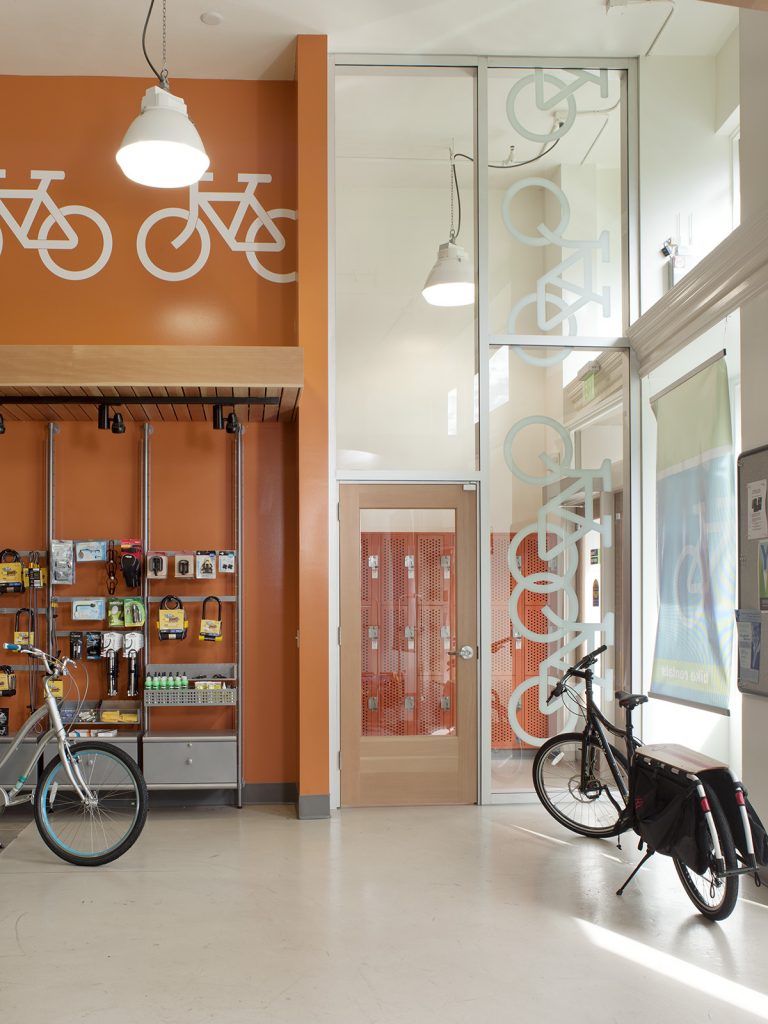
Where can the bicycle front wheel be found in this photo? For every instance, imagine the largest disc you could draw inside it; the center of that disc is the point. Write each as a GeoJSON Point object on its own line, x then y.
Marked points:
{"type": "Point", "coordinates": [96, 831]}
{"type": "Point", "coordinates": [713, 895]}
{"type": "Point", "coordinates": [590, 803]}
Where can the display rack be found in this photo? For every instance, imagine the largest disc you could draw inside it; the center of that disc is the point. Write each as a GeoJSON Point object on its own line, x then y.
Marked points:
{"type": "Point", "coordinates": [195, 758]}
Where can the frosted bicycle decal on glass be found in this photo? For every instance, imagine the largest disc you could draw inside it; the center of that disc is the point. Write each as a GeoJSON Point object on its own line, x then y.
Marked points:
{"type": "Point", "coordinates": [262, 235]}
{"type": "Point", "coordinates": [553, 95]}
{"type": "Point", "coordinates": [581, 256]}
{"type": "Point", "coordinates": [560, 525]}
{"type": "Point", "coordinates": [60, 217]}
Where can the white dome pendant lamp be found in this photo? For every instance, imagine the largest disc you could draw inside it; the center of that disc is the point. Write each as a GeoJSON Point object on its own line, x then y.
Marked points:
{"type": "Point", "coordinates": [451, 281]}
{"type": "Point", "coordinates": [162, 147]}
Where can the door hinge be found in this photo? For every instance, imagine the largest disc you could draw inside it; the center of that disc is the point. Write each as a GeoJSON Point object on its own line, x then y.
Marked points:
{"type": "Point", "coordinates": [338, 511]}
{"type": "Point", "coordinates": [338, 636]}
{"type": "Point", "coordinates": [339, 760]}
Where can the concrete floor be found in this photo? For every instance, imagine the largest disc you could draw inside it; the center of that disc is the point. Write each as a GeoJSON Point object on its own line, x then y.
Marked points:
{"type": "Point", "coordinates": [405, 916]}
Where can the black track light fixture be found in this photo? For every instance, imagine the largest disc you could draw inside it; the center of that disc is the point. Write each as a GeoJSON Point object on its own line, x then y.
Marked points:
{"type": "Point", "coordinates": [218, 417]}
{"type": "Point", "coordinates": [232, 423]}
{"type": "Point", "coordinates": [2, 424]}
{"type": "Point", "coordinates": [106, 422]}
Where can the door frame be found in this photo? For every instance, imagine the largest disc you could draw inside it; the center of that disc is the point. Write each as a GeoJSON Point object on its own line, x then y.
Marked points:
{"type": "Point", "coordinates": [467, 743]}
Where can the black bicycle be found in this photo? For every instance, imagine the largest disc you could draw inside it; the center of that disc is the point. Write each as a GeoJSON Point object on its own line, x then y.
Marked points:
{"type": "Point", "coordinates": [679, 801]}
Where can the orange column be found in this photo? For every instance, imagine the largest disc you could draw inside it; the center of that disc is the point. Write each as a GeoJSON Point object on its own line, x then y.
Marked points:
{"type": "Point", "coordinates": [312, 137]}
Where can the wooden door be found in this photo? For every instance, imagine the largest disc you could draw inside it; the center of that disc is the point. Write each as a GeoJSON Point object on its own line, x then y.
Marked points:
{"type": "Point", "coordinates": [408, 607]}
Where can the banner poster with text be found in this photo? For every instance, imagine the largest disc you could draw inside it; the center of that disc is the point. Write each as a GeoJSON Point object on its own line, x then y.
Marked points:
{"type": "Point", "coordinates": [696, 541]}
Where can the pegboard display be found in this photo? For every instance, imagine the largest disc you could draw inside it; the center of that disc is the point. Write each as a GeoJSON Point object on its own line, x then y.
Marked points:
{"type": "Point", "coordinates": [408, 604]}
{"type": "Point", "coordinates": [515, 658]}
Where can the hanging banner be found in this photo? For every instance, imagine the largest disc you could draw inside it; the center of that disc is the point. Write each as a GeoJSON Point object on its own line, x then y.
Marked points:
{"type": "Point", "coordinates": [696, 541]}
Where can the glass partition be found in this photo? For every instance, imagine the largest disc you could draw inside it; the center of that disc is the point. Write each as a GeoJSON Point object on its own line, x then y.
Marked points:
{"type": "Point", "coordinates": [405, 181]}
{"type": "Point", "coordinates": [557, 576]}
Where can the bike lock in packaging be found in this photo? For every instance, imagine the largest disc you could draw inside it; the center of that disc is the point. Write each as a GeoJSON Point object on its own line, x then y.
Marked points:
{"type": "Point", "coordinates": [35, 574]}
{"type": "Point", "coordinates": [172, 622]}
{"type": "Point", "coordinates": [11, 572]}
{"type": "Point", "coordinates": [7, 681]}
{"type": "Point", "coordinates": [62, 561]}
{"type": "Point", "coordinates": [24, 637]}
{"type": "Point", "coordinates": [210, 629]}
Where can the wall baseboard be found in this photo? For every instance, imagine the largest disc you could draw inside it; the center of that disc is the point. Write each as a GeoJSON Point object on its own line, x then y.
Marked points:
{"type": "Point", "coordinates": [253, 793]}
{"type": "Point", "coordinates": [314, 806]}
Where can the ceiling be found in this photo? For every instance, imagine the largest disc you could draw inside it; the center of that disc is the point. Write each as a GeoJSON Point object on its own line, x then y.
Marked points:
{"type": "Point", "coordinates": [255, 38]}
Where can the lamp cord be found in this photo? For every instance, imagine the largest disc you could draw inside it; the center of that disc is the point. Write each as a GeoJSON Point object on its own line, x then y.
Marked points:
{"type": "Point", "coordinates": [499, 167]}
{"type": "Point", "coordinates": [162, 76]}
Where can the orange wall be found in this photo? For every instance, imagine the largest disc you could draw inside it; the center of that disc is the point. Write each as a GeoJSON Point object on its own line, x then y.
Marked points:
{"type": "Point", "coordinates": [75, 125]}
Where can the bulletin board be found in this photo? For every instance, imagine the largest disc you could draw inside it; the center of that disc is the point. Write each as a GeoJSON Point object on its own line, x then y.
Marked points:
{"type": "Point", "coordinates": [752, 611]}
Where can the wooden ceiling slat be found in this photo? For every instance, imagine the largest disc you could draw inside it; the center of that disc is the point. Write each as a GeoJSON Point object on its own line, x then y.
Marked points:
{"type": "Point", "coordinates": [196, 412]}
{"type": "Point", "coordinates": [109, 392]}
{"type": "Point", "coordinates": [85, 412]}
{"type": "Point", "coordinates": [182, 411]}
{"type": "Point", "coordinates": [150, 411]}
{"type": "Point", "coordinates": [207, 393]}
{"type": "Point", "coordinates": [20, 412]}
{"type": "Point", "coordinates": [288, 405]}
{"type": "Point", "coordinates": [132, 412]}
{"type": "Point", "coordinates": [243, 411]}
{"type": "Point", "coordinates": [167, 412]}
{"type": "Point", "coordinates": [272, 412]}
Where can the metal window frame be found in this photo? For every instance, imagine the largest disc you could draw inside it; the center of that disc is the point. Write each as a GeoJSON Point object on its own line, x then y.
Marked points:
{"type": "Point", "coordinates": [484, 341]}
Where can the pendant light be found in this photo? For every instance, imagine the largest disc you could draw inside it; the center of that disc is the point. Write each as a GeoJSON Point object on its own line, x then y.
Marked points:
{"type": "Point", "coordinates": [451, 281]}
{"type": "Point", "coordinates": [162, 147]}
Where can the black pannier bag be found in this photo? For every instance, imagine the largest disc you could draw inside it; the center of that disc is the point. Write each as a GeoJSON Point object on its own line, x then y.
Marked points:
{"type": "Point", "coordinates": [668, 815]}
{"type": "Point", "coordinates": [721, 784]}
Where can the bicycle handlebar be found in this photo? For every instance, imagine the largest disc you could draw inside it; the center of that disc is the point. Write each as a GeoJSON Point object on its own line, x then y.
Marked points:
{"type": "Point", "coordinates": [584, 663]}
{"type": "Point", "coordinates": [53, 665]}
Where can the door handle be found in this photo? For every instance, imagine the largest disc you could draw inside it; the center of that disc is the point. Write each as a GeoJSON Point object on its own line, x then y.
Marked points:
{"type": "Point", "coordinates": [464, 652]}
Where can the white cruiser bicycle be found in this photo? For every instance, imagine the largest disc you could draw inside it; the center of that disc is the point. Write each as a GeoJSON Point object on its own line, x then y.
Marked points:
{"type": "Point", "coordinates": [91, 801]}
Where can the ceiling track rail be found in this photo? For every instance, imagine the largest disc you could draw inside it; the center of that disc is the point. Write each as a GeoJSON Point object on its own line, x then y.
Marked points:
{"type": "Point", "coordinates": [117, 400]}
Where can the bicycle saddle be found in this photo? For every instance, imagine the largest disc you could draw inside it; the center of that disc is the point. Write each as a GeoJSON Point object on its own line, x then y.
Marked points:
{"type": "Point", "coordinates": [630, 700]}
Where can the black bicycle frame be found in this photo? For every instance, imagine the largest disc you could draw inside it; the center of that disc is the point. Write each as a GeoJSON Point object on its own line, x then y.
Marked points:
{"type": "Point", "coordinates": [594, 728]}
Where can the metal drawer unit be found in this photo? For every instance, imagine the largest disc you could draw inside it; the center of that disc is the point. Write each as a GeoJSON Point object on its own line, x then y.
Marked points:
{"type": "Point", "coordinates": [127, 743]}
{"type": "Point", "coordinates": [204, 761]}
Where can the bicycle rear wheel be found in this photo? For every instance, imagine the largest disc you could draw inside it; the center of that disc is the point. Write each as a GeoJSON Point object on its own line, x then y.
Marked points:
{"type": "Point", "coordinates": [711, 894]}
{"type": "Point", "coordinates": [94, 833]}
{"type": "Point", "coordinates": [592, 807]}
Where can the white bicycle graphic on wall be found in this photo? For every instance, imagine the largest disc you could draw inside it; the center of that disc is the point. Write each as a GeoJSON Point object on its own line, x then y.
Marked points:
{"type": "Point", "coordinates": [270, 240]}
{"type": "Point", "coordinates": [60, 217]}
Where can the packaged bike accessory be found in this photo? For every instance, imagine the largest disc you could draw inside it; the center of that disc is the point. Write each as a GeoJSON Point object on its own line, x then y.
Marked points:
{"type": "Point", "coordinates": [157, 565]}
{"type": "Point", "coordinates": [111, 645]}
{"type": "Point", "coordinates": [11, 572]}
{"type": "Point", "coordinates": [133, 644]}
{"type": "Point", "coordinates": [75, 645]}
{"type": "Point", "coordinates": [62, 561]}
{"type": "Point", "coordinates": [134, 613]}
{"type": "Point", "coordinates": [185, 565]}
{"type": "Point", "coordinates": [130, 563]}
{"type": "Point", "coordinates": [91, 550]}
{"type": "Point", "coordinates": [5, 714]}
{"type": "Point", "coordinates": [172, 622]}
{"type": "Point", "coordinates": [226, 561]}
{"type": "Point", "coordinates": [93, 646]}
{"type": "Point", "coordinates": [205, 565]}
{"type": "Point", "coordinates": [115, 612]}
{"type": "Point", "coordinates": [24, 617]}
{"type": "Point", "coordinates": [7, 681]}
{"type": "Point", "coordinates": [88, 608]}
{"type": "Point", "coordinates": [35, 575]}
{"type": "Point", "coordinates": [210, 629]}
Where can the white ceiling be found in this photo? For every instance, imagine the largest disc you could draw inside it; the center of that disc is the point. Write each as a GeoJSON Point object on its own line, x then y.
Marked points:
{"type": "Point", "coordinates": [255, 39]}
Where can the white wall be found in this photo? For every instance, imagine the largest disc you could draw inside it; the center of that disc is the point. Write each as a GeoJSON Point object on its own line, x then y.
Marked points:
{"type": "Point", "coordinates": [685, 167]}
{"type": "Point", "coordinates": [754, 350]}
